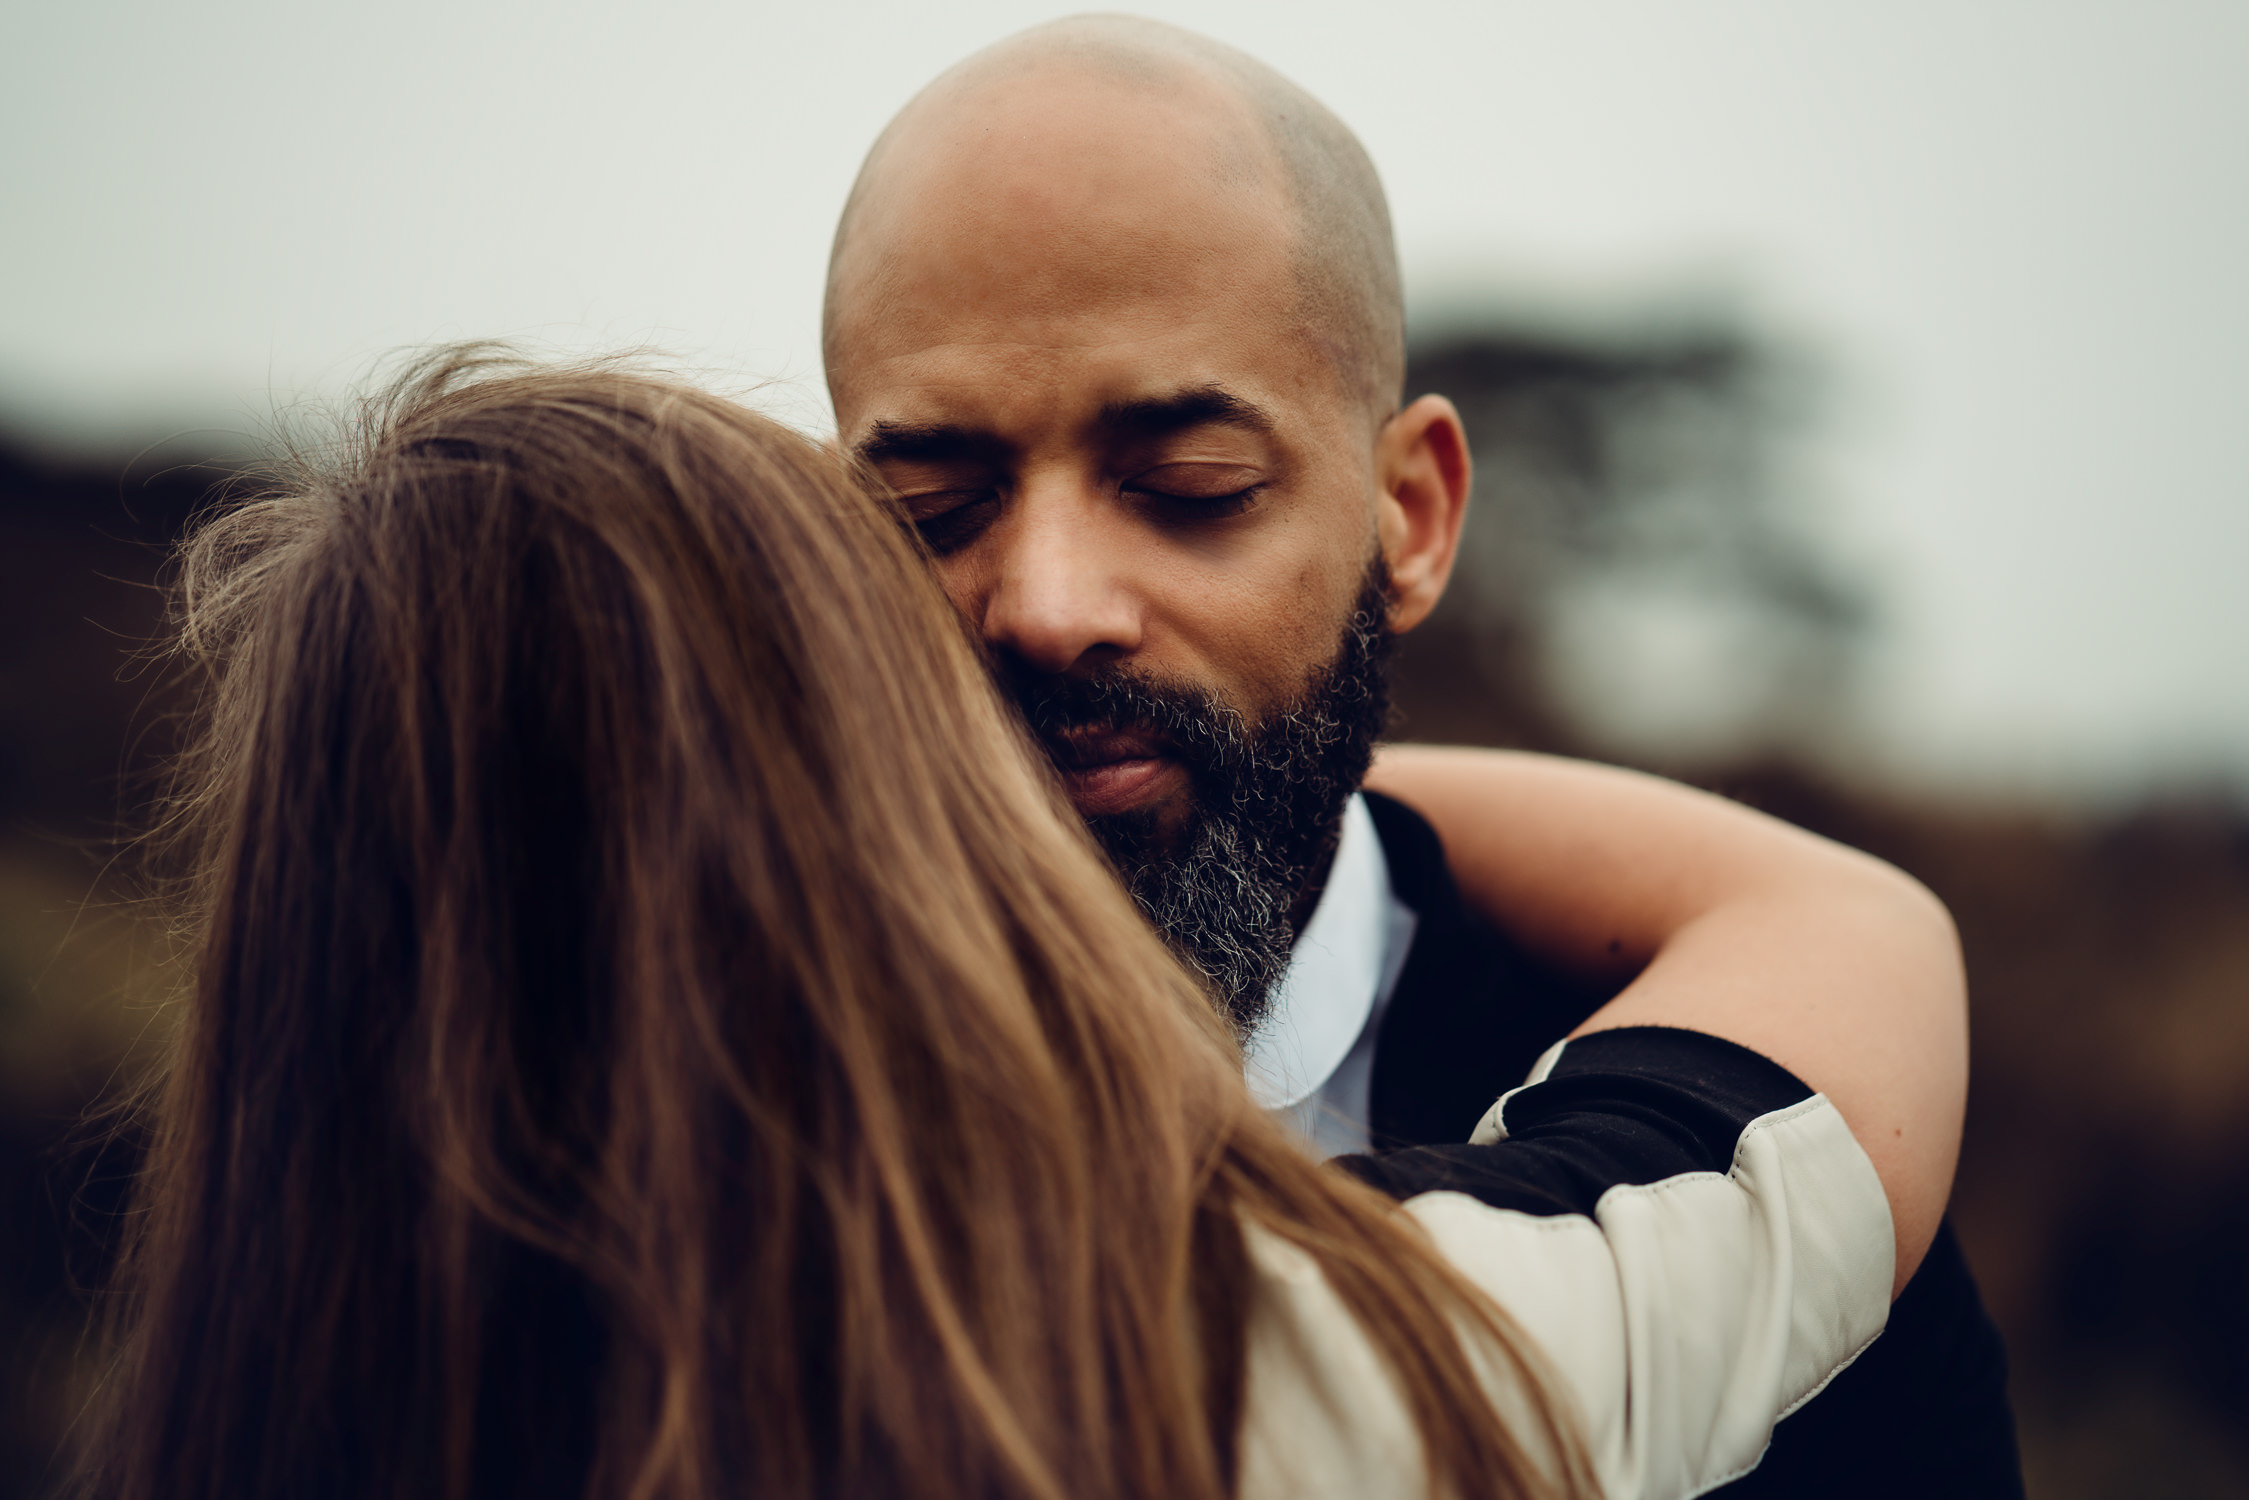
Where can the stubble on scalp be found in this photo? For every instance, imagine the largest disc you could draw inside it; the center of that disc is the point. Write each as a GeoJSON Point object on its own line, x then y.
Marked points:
{"type": "Point", "coordinates": [1344, 257]}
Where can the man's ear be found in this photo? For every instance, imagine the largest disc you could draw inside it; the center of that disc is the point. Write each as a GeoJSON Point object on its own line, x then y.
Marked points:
{"type": "Point", "coordinates": [1422, 466]}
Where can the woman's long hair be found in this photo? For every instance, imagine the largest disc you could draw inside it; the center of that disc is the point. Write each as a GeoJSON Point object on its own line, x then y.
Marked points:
{"type": "Point", "coordinates": [653, 1032]}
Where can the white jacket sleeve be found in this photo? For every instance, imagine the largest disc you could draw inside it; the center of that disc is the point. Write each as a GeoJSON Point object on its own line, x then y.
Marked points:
{"type": "Point", "coordinates": [1690, 1239]}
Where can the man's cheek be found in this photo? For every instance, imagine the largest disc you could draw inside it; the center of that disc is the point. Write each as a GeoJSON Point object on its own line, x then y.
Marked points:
{"type": "Point", "coordinates": [1276, 662]}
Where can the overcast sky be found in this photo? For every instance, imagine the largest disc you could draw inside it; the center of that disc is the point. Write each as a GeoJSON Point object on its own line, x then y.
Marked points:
{"type": "Point", "coordinates": [2015, 235]}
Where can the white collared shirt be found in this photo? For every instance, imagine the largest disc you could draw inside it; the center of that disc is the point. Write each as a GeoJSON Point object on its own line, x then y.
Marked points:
{"type": "Point", "coordinates": [1312, 1063]}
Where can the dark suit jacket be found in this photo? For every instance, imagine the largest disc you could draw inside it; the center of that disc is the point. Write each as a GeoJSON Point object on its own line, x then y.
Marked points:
{"type": "Point", "coordinates": [1923, 1413]}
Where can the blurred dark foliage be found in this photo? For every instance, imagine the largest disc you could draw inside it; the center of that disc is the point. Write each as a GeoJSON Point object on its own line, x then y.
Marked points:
{"type": "Point", "coordinates": [82, 726]}
{"type": "Point", "coordinates": [2104, 1187]}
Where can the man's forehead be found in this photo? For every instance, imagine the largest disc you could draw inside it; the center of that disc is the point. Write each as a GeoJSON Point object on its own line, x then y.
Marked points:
{"type": "Point", "coordinates": [1052, 263]}
{"type": "Point", "coordinates": [1052, 321]}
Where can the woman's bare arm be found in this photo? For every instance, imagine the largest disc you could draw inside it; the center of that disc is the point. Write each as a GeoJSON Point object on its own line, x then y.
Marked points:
{"type": "Point", "coordinates": [1835, 965]}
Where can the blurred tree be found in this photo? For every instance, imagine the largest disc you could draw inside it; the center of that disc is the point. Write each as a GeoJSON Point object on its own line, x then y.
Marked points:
{"type": "Point", "coordinates": [1638, 576]}
{"type": "Point", "coordinates": [80, 550]}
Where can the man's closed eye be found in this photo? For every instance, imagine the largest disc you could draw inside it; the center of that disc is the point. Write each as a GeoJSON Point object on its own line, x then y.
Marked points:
{"type": "Point", "coordinates": [950, 520]}
{"type": "Point", "coordinates": [1197, 492]}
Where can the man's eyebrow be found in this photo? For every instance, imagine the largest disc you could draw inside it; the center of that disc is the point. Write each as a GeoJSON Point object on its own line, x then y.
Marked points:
{"type": "Point", "coordinates": [926, 442]}
{"type": "Point", "coordinates": [1154, 416]}
{"type": "Point", "coordinates": [1147, 416]}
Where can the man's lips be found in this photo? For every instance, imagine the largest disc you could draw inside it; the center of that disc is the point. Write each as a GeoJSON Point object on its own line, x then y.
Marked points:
{"type": "Point", "coordinates": [1111, 771]}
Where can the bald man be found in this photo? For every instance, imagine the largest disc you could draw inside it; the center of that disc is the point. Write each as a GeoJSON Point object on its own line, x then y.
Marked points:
{"type": "Point", "coordinates": [1115, 310]}
{"type": "Point", "coordinates": [1141, 403]}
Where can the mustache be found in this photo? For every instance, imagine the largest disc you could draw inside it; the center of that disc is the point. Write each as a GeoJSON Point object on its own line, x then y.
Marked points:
{"type": "Point", "coordinates": [1193, 723]}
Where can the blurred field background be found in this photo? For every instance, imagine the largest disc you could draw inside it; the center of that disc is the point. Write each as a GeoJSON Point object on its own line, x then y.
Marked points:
{"type": "Point", "coordinates": [1860, 395]}
{"type": "Point", "coordinates": [2104, 1192]}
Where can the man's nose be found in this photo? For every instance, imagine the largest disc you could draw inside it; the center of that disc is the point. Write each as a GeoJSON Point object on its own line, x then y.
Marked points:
{"type": "Point", "coordinates": [1060, 591]}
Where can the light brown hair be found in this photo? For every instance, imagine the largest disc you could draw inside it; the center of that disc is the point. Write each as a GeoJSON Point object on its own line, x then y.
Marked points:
{"type": "Point", "coordinates": [653, 1030]}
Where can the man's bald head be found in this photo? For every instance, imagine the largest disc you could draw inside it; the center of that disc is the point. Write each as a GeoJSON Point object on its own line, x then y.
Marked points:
{"type": "Point", "coordinates": [1261, 135]}
{"type": "Point", "coordinates": [1114, 314]}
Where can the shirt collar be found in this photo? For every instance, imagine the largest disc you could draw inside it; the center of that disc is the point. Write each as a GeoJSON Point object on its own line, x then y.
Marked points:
{"type": "Point", "coordinates": [1335, 974]}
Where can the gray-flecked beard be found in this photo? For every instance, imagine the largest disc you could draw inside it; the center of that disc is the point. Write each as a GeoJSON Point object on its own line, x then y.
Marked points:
{"type": "Point", "coordinates": [1267, 800]}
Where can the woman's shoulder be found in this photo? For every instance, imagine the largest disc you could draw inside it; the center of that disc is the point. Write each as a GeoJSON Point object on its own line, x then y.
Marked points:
{"type": "Point", "coordinates": [1325, 1421]}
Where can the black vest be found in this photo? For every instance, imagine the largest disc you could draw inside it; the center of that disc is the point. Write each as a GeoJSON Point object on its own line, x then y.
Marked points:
{"type": "Point", "coordinates": [1921, 1413]}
